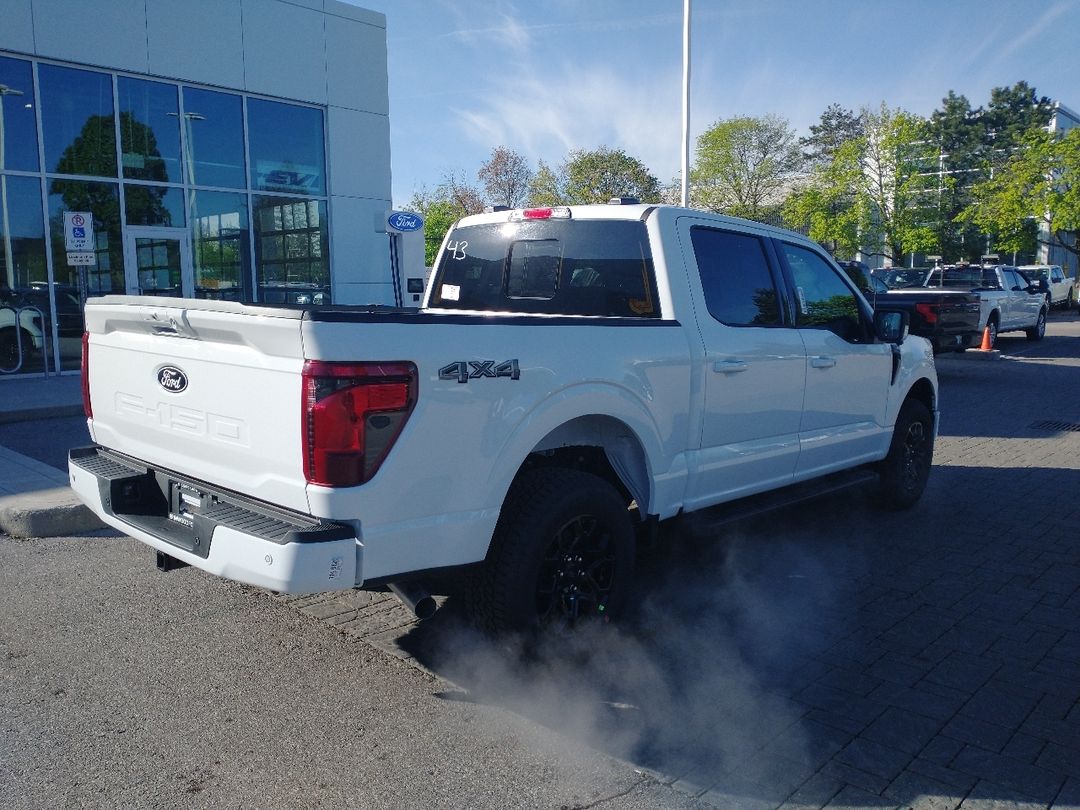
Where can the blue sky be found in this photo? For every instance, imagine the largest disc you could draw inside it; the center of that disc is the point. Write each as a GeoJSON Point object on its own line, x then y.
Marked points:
{"type": "Point", "coordinates": [546, 77]}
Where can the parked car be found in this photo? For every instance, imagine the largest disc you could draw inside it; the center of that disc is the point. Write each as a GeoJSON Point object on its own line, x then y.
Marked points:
{"type": "Point", "coordinates": [1060, 289]}
{"type": "Point", "coordinates": [1009, 302]}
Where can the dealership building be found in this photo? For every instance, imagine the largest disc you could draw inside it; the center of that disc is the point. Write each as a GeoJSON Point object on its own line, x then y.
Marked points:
{"type": "Point", "coordinates": [225, 149]}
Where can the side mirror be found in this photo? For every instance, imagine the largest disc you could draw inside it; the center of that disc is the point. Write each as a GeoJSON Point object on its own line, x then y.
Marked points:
{"type": "Point", "coordinates": [891, 327]}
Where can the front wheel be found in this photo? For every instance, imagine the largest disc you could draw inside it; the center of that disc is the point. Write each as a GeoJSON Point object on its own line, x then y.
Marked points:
{"type": "Point", "coordinates": [562, 554]}
{"type": "Point", "coordinates": [1039, 329]}
{"type": "Point", "coordinates": [905, 470]}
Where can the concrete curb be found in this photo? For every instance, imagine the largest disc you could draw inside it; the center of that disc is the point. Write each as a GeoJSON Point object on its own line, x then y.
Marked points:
{"type": "Point", "coordinates": [53, 512]}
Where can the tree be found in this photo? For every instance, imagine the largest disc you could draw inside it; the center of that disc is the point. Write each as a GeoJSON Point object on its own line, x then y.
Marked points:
{"type": "Point", "coordinates": [506, 177]}
{"type": "Point", "coordinates": [546, 187]}
{"type": "Point", "coordinates": [837, 126]}
{"type": "Point", "coordinates": [1011, 114]}
{"type": "Point", "coordinates": [959, 132]}
{"type": "Point", "coordinates": [1040, 182]}
{"type": "Point", "coordinates": [599, 175]}
{"type": "Point", "coordinates": [872, 196]}
{"type": "Point", "coordinates": [972, 144]}
{"type": "Point", "coordinates": [744, 166]}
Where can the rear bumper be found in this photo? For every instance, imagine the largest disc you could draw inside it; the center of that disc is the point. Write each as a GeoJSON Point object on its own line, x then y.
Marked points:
{"type": "Point", "coordinates": [218, 531]}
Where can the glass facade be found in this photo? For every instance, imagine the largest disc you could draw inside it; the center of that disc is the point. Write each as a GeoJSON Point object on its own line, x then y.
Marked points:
{"type": "Point", "coordinates": [209, 193]}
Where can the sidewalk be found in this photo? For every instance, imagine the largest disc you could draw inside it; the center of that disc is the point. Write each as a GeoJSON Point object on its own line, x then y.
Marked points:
{"type": "Point", "coordinates": [35, 500]}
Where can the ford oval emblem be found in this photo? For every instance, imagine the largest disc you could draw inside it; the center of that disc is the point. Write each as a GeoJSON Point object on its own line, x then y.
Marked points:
{"type": "Point", "coordinates": [402, 221]}
{"type": "Point", "coordinates": [172, 379]}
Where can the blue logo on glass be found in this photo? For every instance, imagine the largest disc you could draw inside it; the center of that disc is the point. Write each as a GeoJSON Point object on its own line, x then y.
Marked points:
{"type": "Point", "coordinates": [400, 221]}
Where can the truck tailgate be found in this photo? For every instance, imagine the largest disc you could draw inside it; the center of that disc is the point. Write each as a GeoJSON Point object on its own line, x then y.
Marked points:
{"type": "Point", "coordinates": [208, 389]}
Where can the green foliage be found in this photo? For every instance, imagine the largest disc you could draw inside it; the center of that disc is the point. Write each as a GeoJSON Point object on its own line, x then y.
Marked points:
{"type": "Point", "coordinates": [599, 175]}
{"type": "Point", "coordinates": [744, 165]}
{"type": "Point", "coordinates": [1039, 182]}
{"type": "Point", "coordinates": [872, 195]}
{"type": "Point", "coordinates": [593, 177]}
{"type": "Point", "coordinates": [546, 187]}
{"type": "Point", "coordinates": [837, 126]}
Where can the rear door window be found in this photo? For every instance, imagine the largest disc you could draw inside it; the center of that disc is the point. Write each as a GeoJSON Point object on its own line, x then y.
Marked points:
{"type": "Point", "coordinates": [556, 267]}
{"type": "Point", "coordinates": [739, 288]}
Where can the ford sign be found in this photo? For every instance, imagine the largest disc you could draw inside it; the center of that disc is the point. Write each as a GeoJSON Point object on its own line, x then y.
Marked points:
{"type": "Point", "coordinates": [402, 221]}
{"type": "Point", "coordinates": [172, 379]}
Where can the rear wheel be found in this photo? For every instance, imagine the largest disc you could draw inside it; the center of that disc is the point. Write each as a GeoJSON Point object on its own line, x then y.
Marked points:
{"type": "Point", "coordinates": [562, 554]}
{"type": "Point", "coordinates": [1039, 329]}
{"type": "Point", "coordinates": [905, 470]}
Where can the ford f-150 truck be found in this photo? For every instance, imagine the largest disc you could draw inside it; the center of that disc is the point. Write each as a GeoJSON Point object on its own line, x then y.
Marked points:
{"type": "Point", "coordinates": [1009, 301]}
{"type": "Point", "coordinates": [574, 373]}
{"type": "Point", "coordinates": [949, 319]}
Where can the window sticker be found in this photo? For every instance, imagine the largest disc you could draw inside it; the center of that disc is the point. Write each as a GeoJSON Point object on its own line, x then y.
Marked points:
{"type": "Point", "coordinates": [450, 292]}
{"type": "Point", "coordinates": [802, 300]}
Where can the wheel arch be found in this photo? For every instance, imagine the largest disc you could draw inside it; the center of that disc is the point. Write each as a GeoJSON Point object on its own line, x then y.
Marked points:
{"type": "Point", "coordinates": [597, 428]}
{"type": "Point", "coordinates": [924, 392]}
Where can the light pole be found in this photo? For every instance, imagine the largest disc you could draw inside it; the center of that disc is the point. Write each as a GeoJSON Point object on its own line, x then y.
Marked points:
{"type": "Point", "coordinates": [9, 266]}
{"type": "Point", "coordinates": [686, 106]}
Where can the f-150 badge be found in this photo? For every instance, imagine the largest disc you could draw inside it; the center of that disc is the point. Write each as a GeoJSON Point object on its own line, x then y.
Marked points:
{"type": "Point", "coordinates": [466, 370]}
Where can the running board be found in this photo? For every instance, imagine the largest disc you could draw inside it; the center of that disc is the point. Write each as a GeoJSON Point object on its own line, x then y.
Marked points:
{"type": "Point", "coordinates": [718, 517]}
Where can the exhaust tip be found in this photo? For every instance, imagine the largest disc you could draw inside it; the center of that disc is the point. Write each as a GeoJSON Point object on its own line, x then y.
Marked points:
{"type": "Point", "coordinates": [415, 597]}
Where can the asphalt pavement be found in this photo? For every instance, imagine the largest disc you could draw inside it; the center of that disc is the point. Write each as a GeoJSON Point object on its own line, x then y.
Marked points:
{"type": "Point", "coordinates": [829, 655]}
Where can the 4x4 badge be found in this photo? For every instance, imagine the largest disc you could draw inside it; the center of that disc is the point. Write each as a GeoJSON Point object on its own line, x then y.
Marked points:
{"type": "Point", "coordinates": [466, 370]}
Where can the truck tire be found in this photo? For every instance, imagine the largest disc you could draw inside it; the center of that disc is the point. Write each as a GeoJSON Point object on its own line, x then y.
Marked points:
{"type": "Point", "coordinates": [903, 473]}
{"type": "Point", "coordinates": [1039, 329]}
{"type": "Point", "coordinates": [563, 553]}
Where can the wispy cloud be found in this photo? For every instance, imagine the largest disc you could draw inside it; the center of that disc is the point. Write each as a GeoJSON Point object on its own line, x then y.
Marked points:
{"type": "Point", "coordinates": [552, 110]}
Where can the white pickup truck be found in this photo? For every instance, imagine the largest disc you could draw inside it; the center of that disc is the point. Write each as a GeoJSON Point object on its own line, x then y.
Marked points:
{"type": "Point", "coordinates": [574, 373]}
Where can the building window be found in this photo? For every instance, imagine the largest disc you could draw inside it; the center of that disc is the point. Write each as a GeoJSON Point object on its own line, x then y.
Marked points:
{"type": "Point", "coordinates": [214, 135]}
{"type": "Point", "coordinates": [290, 250]}
{"type": "Point", "coordinates": [18, 121]}
{"type": "Point", "coordinates": [77, 119]}
{"type": "Point", "coordinates": [219, 220]}
{"type": "Point", "coordinates": [149, 130]}
{"type": "Point", "coordinates": [287, 150]}
{"type": "Point", "coordinates": [154, 205]}
{"type": "Point", "coordinates": [103, 201]}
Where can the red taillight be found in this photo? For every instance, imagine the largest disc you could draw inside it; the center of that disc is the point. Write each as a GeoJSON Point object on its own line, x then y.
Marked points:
{"type": "Point", "coordinates": [352, 415]}
{"type": "Point", "coordinates": [536, 213]}
{"type": "Point", "coordinates": [928, 311]}
{"type": "Point", "coordinates": [85, 368]}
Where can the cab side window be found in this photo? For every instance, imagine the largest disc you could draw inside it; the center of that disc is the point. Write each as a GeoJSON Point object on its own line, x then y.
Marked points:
{"type": "Point", "coordinates": [824, 300]}
{"type": "Point", "coordinates": [739, 288]}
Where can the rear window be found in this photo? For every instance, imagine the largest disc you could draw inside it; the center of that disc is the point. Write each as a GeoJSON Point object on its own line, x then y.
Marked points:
{"type": "Point", "coordinates": [556, 267]}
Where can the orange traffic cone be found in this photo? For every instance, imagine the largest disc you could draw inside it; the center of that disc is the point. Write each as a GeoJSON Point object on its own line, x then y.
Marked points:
{"type": "Point", "coordinates": [985, 347]}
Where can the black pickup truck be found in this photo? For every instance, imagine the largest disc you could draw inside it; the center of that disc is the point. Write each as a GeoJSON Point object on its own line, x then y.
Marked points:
{"type": "Point", "coordinates": [948, 319]}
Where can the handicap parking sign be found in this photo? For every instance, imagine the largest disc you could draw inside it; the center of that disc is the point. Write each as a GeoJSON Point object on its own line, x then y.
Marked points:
{"type": "Point", "coordinates": [78, 231]}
